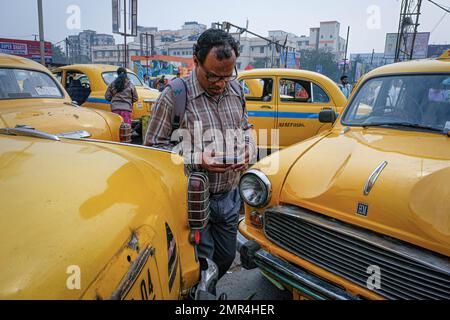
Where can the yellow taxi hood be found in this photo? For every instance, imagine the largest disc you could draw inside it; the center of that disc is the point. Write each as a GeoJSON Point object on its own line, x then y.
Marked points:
{"type": "Point", "coordinates": [54, 117]}
{"type": "Point", "coordinates": [145, 93]}
{"type": "Point", "coordinates": [410, 200]}
{"type": "Point", "coordinates": [71, 203]}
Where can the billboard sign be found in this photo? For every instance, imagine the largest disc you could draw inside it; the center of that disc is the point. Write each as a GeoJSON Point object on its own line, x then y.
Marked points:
{"type": "Point", "coordinates": [420, 45]}
{"type": "Point", "coordinates": [436, 50]}
{"type": "Point", "coordinates": [26, 49]}
{"type": "Point", "coordinates": [124, 17]}
{"type": "Point", "coordinates": [291, 60]}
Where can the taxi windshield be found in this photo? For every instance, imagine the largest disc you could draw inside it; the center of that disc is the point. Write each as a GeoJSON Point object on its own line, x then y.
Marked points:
{"type": "Point", "coordinates": [109, 77]}
{"type": "Point", "coordinates": [27, 84]}
{"type": "Point", "coordinates": [413, 101]}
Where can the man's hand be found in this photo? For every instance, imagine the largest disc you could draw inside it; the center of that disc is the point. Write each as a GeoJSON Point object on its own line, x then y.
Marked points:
{"type": "Point", "coordinates": [210, 165]}
{"type": "Point", "coordinates": [240, 167]}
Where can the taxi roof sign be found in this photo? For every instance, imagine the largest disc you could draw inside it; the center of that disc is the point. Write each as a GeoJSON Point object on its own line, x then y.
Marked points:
{"type": "Point", "coordinates": [445, 55]}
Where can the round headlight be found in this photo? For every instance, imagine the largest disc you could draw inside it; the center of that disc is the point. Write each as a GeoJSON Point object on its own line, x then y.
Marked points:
{"type": "Point", "coordinates": [255, 189]}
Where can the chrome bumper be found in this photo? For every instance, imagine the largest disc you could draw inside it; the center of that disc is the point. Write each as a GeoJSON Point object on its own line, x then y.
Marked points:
{"type": "Point", "coordinates": [284, 272]}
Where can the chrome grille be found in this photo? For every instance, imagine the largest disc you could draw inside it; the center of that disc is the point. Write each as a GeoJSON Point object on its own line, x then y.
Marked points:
{"type": "Point", "coordinates": [407, 272]}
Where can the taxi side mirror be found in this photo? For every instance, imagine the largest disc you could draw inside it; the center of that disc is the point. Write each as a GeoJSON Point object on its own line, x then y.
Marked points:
{"type": "Point", "coordinates": [327, 116]}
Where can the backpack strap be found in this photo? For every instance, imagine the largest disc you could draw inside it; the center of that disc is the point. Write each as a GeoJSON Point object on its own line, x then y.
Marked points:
{"type": "Point", "coordinates": [179, 90]}
{"type": "Point", "coordinates": [238, 89]}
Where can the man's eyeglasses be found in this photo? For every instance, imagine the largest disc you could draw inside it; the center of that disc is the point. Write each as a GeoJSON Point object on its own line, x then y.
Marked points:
{"type": "Point", "coordinates": [213, 78]}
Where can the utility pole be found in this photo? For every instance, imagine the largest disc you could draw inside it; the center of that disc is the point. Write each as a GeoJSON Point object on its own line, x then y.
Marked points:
{"type": "Point", "coordinates": [67, 51]}
{"type": "Point", "coordinates": [271, 46]}
{"type": "Point", "coordinates": [149, 46]}
{"type": "Point", "coordinates": [125, 34]}
{"type": "Point", "coordinates": [416, 25]}
{"type": "Point", "coordinates": [346, 49]}
{"type": "Point", "coordinates": [41, 31]}
{"type": "Point", "coordinates": [409, 11]}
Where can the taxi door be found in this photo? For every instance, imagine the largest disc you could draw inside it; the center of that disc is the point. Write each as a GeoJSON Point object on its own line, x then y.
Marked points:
{"type": "Point", "coordinates": [299, 104]}
{"type": "Point", "coordinates": [261, 106]}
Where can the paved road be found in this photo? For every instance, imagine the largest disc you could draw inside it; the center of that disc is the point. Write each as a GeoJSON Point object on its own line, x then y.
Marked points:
{"type": "Point", "coordinates": [241, 284]}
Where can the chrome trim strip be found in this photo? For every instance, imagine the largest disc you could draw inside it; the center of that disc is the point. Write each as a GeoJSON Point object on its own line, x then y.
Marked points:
{"type": "Point", "coordinates": [133, 274]}
{"type": "Point", "coordinates": [302, 277]}
{"type": "Point", "coordinates": [123, 144]}
{"type": "Point", "coordinates": [373, 178]}
{"type": "Point", "coordinates": [427, 258]}
{"type": "Point", "coordinates": [26, 132]}
{"type": "Point", "coordinates": [81, 134]}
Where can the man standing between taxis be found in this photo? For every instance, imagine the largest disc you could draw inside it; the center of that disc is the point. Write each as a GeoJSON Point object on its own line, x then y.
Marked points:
{"type": "Point", "coordinates": [216, 105]}
{"type": "Point", "coordinates": [345, 86]}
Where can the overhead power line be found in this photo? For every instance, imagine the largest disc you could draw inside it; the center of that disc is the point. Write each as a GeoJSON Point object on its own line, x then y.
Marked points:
{"type": "Point", "coordinates": [440, 6]}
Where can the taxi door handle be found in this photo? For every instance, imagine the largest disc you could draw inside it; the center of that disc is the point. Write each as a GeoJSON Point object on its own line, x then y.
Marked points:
{"type": "Point", "coordinates": [266, 107]}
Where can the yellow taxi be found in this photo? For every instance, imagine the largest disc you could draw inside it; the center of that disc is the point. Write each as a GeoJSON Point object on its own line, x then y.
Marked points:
{"type": "Point", "coordinates": [284, 104]}
{"type": "Point", "coordinates": [361, 211]}
{"type": "Point", "coordinates": [78, 220]}
{"type": "Point", "coordinates": [87, 85]}
{"type": "Point", "coordinates": [30, 97]}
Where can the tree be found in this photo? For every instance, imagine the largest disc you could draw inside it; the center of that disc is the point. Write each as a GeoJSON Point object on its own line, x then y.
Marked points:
{"type": "Point", "coordinates": [259, 63]}
{"type": "Point", "coordinates": [59, 57]}
{"type": "Point", "coordinates": [321, 61]}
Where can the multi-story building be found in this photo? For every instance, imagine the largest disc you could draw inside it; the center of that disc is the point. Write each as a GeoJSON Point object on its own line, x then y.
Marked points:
{"type": "Point", "coordinates": [192, 28]}
{"type": "Point", "coordinates": [170, 42]}
{"type": "Point", "coordinates": [259, 53]}
{"type": "Point", "coordinates": [80, 46]}
{"type": "Point", "coordinates": [184, 49]}
{"type": "Point", "coordinates": [115, 54]}
{"type": "Point", "coordinates": [327, 37]}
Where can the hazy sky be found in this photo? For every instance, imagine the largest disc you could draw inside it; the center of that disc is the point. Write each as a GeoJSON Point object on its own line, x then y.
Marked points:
{"type": "Point", "coordinates": [369, 20]}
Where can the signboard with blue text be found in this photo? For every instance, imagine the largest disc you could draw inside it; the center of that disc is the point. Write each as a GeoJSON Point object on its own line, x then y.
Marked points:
{"type": "Point", "coordinates": [291, 60]}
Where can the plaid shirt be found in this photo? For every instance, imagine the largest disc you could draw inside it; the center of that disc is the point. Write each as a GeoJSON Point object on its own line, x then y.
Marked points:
{"type": "Point", "coordinates": [203, 114]}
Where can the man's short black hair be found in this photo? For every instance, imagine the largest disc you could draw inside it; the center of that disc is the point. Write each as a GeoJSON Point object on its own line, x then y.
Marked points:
{"type": "Point", "coordinates": [216, 38]}
{"type": "Point", "coordinates": [344, 77]}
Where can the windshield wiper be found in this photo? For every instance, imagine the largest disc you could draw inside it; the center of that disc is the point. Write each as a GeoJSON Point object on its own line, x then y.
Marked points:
{"type": "Point", "coordinates": [404, 125]}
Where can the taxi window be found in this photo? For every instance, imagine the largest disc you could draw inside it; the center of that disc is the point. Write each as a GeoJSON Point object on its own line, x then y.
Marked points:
{"type": "Point", "coordinates": [256, 89]}
{"type": "Point", "coordinates": [412, 101]}
{"type": "Point", "coordinates": [109, 78]}
{"type": "Point", "coordinates": [58, 76]}
{"type": "Point", "coordinates": [319, 95]}
{"type": "Point", "coordinates": [295, 91]}
{"type": "Point", "coordinates": [79, 77]}
{"type": "Point", "coordinates": [27, 84]}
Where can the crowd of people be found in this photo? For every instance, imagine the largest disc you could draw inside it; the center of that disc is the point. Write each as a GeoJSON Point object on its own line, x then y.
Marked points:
{"type": "Point", "coordinates": [158, 83]}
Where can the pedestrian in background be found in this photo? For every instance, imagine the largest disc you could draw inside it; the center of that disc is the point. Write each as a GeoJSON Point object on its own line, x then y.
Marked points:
{"type": "Point", "coordinates": [146, 80]}
{"type": "Point", "coordinates": [122, 94]}
{"type": "Point", "coordinates": [162, 83]}
{"type": "Point", "coordinates": [345, 87]}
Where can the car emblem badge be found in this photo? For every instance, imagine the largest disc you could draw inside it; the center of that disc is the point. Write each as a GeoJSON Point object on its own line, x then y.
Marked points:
{"type": "Point", "coordinates": [363, 209]}
{"type": "Point", "coordinates": [373, 178]}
